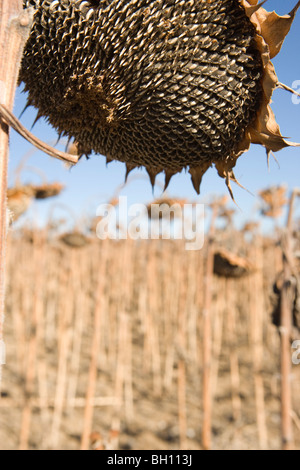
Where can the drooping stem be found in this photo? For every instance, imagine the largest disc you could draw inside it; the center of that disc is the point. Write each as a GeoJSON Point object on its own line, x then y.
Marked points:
{"type": "Point", "coordinates": [14, 29]}
{"type": "Point", "coordinates": [13, 122]}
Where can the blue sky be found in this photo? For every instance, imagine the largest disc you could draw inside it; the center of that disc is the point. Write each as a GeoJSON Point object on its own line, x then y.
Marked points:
{"type": "Point", "coordinates": [90, 182]}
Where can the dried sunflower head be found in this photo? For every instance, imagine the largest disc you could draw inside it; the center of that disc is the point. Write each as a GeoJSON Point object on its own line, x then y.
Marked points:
{"type": "Point", "coordinates": [74, 239]}
{"type": "Point", "coordinates": [164, 84]}
{"type": "Point", "coordinates": [47, 190]}
{"type": "Point", "coordinates": [19, 198]}
{"type": "Point", "coordinates": [274, 199]}
{"type": "Point", "coordinates": [230, 265]}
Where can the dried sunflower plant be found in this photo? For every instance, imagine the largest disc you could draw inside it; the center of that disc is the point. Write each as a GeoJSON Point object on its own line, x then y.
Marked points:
{"type": "Point", "coordinates": [14, 30]}
{"type": "Point", "coordinates": [162, 84]}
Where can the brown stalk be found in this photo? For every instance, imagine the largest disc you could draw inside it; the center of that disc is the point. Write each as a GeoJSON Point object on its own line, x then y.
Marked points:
{"type": "Point", "coordinates": [14, 256]}
{"type": "Point", "coordinates": [151, 333]}
{"type": "Point", "coordinates": [233, 355]}
{"type": "Point", "coordinates": [94, 353]}
{"type": "Point", "coordinates": [199, 297]}
{"type": "Point", "coordinates": [206, 351]}
{"type": "Point", "coordinates": [285, 329]}
{"type": "Point", "coordinates": [111, 315]}
{"type": "Point", "coordinates": [192, 333]}
{"type": "Point", "coordinates": [33, 343]}
{"type": "Point", "coordinates": [170, 298]}
{"type": "Point", "coordinates": [65, 315]}
{"type": "Point", "coordinates": [182, 413]}
{"type": "Point", "coordinates": [40, 283]}
{"type": "Point", "coordinates": [80, 306]}
{"type": "Point", "coordinates": [120, 364]}
{"type": "Point", "coordinates": [256, 312]}
{"type": "Point", "coordinates": [181, 386]}
{"type": "Point", "coordinates": [218, 333]}
{"type": "Point", "coordinates": [128, 386]}
{"type": "Point", "coordinates": [14, 30]}
{"type": "Point", "coordinates": [129, 402]}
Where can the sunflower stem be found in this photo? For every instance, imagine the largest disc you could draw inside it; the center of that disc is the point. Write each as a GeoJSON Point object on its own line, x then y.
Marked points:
{"type": "Point", "coordinates": [14, 30]}
{"type": "Point", "coordinates": [207, 332]}
{"type": "Point", "coordinates": [286, 308]}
